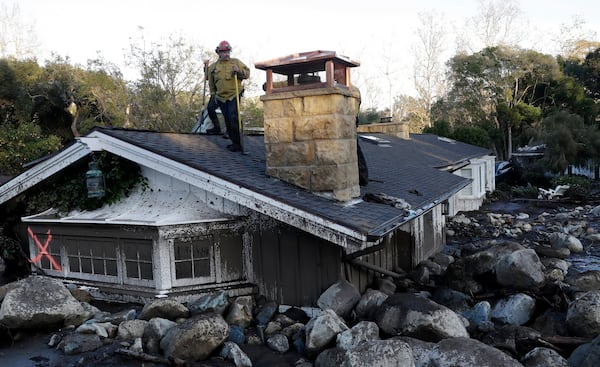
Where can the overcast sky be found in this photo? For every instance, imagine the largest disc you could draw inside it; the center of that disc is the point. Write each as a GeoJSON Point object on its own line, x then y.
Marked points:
{"type": "Point", "coordinates": [364, 30]}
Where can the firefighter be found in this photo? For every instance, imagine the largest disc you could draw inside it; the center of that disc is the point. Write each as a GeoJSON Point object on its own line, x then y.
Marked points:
{"type": "Point", "coordinates": [222, 77]}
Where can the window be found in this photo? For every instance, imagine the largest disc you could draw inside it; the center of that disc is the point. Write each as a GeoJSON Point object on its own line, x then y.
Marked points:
{"type": "Point", "coordinates": [138, 259]}
{"type": "Point", "coordinates": [192, 259]}
{"type": "Point", "coordinates": [467, 173]}
{"type": "Point", "coordinates": [92, 257]}
{"type": "Point", "coordinates": [54, 251]}
{"type": "Point", "coordinates": [481, 179]}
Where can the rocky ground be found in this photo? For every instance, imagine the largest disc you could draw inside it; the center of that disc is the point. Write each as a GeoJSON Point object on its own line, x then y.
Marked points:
{"type": "Point", "coordinates": [510, 275]}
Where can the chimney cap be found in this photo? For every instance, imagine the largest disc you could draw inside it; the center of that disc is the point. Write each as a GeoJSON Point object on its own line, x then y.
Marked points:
{"type": "Point", "coordinates": [305, 62]}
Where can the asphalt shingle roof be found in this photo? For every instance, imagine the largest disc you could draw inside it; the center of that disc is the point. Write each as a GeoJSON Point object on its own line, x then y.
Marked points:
{"type": "Point", "coordinates": [396, 170]}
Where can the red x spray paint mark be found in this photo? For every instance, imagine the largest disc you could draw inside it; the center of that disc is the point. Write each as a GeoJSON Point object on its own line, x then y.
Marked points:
{"type": "Point", "coordinates": [43, 249]}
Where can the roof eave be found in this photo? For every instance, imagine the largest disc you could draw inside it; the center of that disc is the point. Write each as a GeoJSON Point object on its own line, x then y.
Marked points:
{"type": "Point", "coordinates": [42, 171]}
{"type": "Point", "coordinates": [348, 238]}
{"type": "Point", "coordinates": [395, 223]}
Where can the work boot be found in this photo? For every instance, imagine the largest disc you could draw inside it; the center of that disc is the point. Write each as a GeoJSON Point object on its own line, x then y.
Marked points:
{"type": "Point", "coordinates": [234, 148]}
{"type": "Point", "coordinates": [213, 131]}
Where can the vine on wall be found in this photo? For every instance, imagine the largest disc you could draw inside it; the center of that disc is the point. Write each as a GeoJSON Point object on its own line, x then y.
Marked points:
{"type": "Point", "coordinates": [69, 191]}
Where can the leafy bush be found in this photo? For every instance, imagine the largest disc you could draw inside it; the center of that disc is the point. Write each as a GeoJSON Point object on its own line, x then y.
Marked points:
{"type": "Point", "coordinates": [528, 191]}
{"type": "Point", "coordinates": [17, 264]}
{"type": "Point", "coordinates": [471, 135]}
{"type": "Point", "coordinates": [22, 143]}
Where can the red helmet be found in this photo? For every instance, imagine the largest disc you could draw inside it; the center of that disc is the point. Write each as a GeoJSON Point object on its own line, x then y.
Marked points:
{"type": "Point", "coordinates": [223, 46]}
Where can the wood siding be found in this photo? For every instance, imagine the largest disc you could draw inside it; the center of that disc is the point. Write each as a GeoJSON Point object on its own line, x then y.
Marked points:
{"type": "Point", "coordinates": [395, 252]}
{"type": "Point", "coordinates": [292, 267]}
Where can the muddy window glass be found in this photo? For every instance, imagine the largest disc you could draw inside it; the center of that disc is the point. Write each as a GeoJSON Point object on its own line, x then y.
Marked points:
{"type": "Point", "coordinates": [467, 173]}
{"type": "Point", "coordinates": [138, 259]}
{"type": "Point", "coordinates": [192, 258]}
{"type": "Point", "coordinates": [53, 251]}
{"type": "Point", "coordinates": [92, 257]}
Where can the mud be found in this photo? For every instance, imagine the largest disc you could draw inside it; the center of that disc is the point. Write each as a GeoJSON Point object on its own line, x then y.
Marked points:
{"type": "Point", "coordinates": [30, 349]}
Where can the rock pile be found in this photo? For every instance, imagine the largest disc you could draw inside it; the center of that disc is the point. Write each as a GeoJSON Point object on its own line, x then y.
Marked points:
{"type": "Point", "coordinates": [503, 293]}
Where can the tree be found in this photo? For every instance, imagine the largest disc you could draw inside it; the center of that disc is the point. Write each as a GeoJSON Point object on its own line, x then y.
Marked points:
{"type": "Point", "coordinates": [107, 95]}
{"type": "Point", "coordinates": [169, 93]}
{"type": "Point", "coordinates": [17, 38]}
{"type": "Point", "coordinates": [573, 40]}
{"type": "Point", "coordinates": [23, 142]}
{"type": "Point", "coordinates": [568, 141]}
{"type": "Point", "coordinates": [427, 71]}
{"type": "Point", "coordinates": [389, 70]}
{"type": "Point", "coordinates": [586, 72]}
{"type": "Point", "coordinates": [496, 76]}
{"type": "Point", "coordinates": [497, 22]}
{"type": "Point", "coordinates": [410, 109]}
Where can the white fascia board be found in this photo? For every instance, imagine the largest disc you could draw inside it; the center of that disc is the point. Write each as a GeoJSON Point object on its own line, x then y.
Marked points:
{"type": "Point", "coordinates": [298, 218]}
{"type": "Point", "coordinates": [42, 171]}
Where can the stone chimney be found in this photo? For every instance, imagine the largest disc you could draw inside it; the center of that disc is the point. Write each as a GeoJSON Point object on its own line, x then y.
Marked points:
{"type": "Point", "coordinates": [310, 125]}
{"type": "Point", "coordinates": [398, 129]}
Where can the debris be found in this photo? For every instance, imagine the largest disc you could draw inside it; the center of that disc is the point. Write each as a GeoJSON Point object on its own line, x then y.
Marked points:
{"type": "Point", "coordinates": [383, 198]}
{"type": "Point", "coordinates": [550, 194]}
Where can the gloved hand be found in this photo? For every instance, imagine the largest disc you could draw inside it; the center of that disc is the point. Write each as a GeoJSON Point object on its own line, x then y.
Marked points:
{"type": "Point", "coordinates": [235, 70]}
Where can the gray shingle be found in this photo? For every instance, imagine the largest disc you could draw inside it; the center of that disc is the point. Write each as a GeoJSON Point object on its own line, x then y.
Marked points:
{"type": "Point", "coordinates": [396, 170]}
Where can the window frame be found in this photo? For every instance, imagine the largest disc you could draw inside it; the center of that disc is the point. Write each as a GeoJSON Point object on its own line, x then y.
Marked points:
{"type": "Point", "coordinates": [211, 278]}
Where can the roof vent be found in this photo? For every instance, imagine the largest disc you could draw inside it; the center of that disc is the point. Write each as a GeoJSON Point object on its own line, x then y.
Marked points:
{"type": "Point", "coordinates": [376, 140]}
{"type": "Point", "coordinates": [447, 140]}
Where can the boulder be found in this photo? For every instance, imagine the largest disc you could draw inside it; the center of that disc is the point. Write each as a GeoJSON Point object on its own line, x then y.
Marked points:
{"type": "Point", "coordinates": [340, 297]}
{"type": "Point", "coordinates": [77, 343]}
{"type": "Point", "coordinates": [154, 331]}
{"type": "Point", "coordinates": [233, 352]}
{"type": "Point", "coordinates": [543, 357]}
{"type": "Point", "coordinates": [323, 329]}
{"type": "Point", "coordinates": [332, 357]}
{"type": "Point", "coordinates": [196, 338]}
{"type": "Point", "coordinates": [517, 309]}
{"type": "Point", "coordinates": [420, 349]}
{"type": "Point", "coordinates": [369, 301]}
{"type": "Point", "coordinates": [379, 353]}
{"type": "Point", "coordinates": [453, 299]}
{"type": "Point", "coordinates": [217, 302]}
{"type": "Point", "coordinates": [584, 281]}
{"type": "Point", "coordinates": [511, 338]}
{"type": "Point", "coordinates": [164, 308]}
{"type": "Point", "coordinates": [564, 240]}
{"type": "Point", "coordinates": [521, 269]}
{"type": "Point", "coordinates": [479, 314]}
{"type": "Point", "coordinates": [419, 317]}
{"type": "Point", "coordinates": [363, 331]}
{"type": "Point", "coordinates": [551, 322]}
{"type": "Point", "coordinates": [278, 342]}
{"type": "Point", "coordinates": [39, 302]}
{"type": "Point", "coordinates": [132, 329]}
{"type": "Point", "coordinates": [265, 312]}
{"type": "Point", "coordinates": [240, 312]}
{"type": "Point", "coordinates": [465, 352]}
{"type": "Point", "coordinates": [583, 315]}
{"type": "Point", "coordinates": [586, 355]}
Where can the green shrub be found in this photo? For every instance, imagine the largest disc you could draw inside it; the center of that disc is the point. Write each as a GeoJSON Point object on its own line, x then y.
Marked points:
{"type": "Point", "coordinates": [528, 191]}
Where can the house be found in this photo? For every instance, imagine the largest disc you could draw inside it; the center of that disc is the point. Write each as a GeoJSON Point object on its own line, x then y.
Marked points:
{"type": "Point", "coordinates": [286, 219]}
{"type": "Point", "coordinates": [448, 155]}
{"type": "Point", "coordinates": [242, 230]}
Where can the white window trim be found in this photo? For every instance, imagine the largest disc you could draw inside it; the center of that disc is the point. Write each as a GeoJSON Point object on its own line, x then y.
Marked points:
{"type": "Point", "coordinates": [212, 278]}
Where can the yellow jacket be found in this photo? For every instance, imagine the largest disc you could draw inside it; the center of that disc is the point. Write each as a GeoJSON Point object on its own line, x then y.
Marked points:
{"type": "Point", "coordinates": [221, 80]}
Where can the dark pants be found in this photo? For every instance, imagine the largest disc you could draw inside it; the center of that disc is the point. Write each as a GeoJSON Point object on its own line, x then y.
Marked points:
{"type": "Point", "coordinates": [363, 170]}
{"type": "Point", "coordinates": [211, 108]}
{"type": "Point", "coordinates": [230, 114]}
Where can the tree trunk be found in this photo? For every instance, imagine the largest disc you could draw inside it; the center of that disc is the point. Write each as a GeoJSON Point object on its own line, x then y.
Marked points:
{"type": "Point", "coordinates": [508, 142]}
